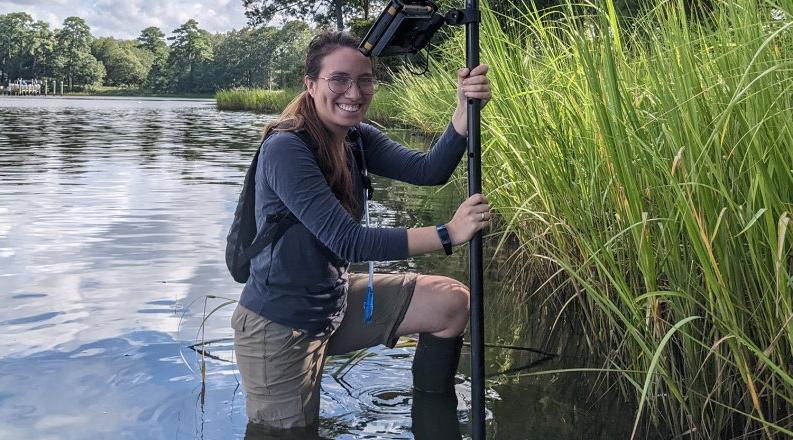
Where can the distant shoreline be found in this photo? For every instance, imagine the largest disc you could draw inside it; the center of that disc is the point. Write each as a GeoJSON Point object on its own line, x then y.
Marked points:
{"type": "Point", "coordinates": [107, 96]}
{"type": "Point", "coordinates": [137, 94]}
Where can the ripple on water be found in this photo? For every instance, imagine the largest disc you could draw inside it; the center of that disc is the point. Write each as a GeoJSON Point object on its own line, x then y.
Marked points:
{"type": "Point", "coordinates": [28, 295]}
{"type": "Point", "coordinates": [31, 319]}
{"type": "Point", "coordinates": [382, 399]}
{"type": "Point", "coordinates": [88, 352]}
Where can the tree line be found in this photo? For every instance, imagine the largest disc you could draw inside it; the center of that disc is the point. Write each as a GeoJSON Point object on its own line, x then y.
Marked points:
{"type": "Point", "coordinates": [190, 60]}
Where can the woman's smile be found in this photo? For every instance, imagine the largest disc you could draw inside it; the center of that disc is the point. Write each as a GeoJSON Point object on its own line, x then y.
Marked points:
{"type": "Point", "coordinates": [350, 108]}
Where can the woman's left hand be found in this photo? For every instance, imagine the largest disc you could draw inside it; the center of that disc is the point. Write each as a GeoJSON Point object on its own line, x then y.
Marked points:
{"type": "Point", "coordinates": [470, 85]}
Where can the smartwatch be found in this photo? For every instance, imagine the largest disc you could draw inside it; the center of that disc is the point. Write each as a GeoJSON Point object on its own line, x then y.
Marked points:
{"type": "Point", "coordinates": [445, 240]}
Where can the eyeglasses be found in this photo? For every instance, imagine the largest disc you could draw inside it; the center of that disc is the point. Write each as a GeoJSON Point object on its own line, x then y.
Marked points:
{"type": "Point", "coordinates": [341, 84]}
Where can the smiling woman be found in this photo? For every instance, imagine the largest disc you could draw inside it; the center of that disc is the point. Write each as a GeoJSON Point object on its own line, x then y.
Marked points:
{"type": "Point", "coordinates": [299, 303]}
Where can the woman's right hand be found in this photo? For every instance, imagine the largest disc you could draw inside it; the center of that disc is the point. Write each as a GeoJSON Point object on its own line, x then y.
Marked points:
{"type": "Point", "coordinates": [472, 216]}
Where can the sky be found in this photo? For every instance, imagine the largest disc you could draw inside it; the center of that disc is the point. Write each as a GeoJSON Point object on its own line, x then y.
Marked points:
{"type": "Point", "coordinates": [126, 18]}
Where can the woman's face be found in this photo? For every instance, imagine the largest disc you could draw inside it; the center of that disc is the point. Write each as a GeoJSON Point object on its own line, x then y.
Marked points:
{"type": "Point", "coordinates": [337, 109]}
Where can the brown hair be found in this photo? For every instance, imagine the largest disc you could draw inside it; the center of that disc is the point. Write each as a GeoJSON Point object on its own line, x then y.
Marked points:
{"type": "Point", "coordinates": [301, 114]}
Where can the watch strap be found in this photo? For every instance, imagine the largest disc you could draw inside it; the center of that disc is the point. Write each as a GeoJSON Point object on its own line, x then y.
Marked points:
{"type": "Point", "coordinates": [446, 241]}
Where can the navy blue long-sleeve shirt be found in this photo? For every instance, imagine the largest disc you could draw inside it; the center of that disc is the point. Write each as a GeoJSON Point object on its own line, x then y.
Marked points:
{"type": "Point", "coordinates": [294, 283]}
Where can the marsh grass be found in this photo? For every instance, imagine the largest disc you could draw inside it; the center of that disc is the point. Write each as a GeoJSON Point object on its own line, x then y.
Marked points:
{"type": "Point", "coordinates": [383, 110]}
{"type": "Point", "coordinates": [255, 100]}
{"type": "Point", "coordinates": [648, 173]}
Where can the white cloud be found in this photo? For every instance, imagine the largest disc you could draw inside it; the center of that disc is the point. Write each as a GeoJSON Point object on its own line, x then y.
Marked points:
{"type": "Point", "coordinates": [126, 18]}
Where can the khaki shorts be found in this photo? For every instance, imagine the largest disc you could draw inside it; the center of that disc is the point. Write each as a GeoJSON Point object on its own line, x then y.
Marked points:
{"type": "Point", "coordinates": [281, 367]}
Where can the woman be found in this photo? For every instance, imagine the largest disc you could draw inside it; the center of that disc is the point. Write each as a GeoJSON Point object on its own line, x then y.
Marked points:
{"type": "Point", "coordinates": [300, 304]}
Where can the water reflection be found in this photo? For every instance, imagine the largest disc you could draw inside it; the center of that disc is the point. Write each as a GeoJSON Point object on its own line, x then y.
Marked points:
{"type": "Point", "coordinates": [133, 385]}
{"type": "Point", "coordinates": [113, 216]}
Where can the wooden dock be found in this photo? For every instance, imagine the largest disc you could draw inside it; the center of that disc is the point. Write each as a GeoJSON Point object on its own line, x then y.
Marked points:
{"type": "Point", "coordinates": [32, 87]}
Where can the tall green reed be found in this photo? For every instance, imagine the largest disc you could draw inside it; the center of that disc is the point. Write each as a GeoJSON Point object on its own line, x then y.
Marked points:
{"type": "Point", "coordinates": [257, 100]}
{"type": "Point", "coordinates": [382, 110]}
{"type": "Point", "coordinates": [648, 173]}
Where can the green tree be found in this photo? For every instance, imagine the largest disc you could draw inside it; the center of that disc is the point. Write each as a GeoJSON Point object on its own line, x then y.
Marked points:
{"type": "Point", "coordinates": [323, 12]}
{"type": "Point", "coordinates": [125, 63]}
{"type": "Point", "coordinates": [289, 55]}
{"type": "Point", "coordinates": [189, 59]}
{"type": "Point", "coordinates": [243, 58]}
{"type": "Point", "coordinates": [153, 40]}
{"type": "Point", "coordinates": [262, 56]}
{"type": "Point", "coordinates": [73, 60]}
{"type": "Point", "coordinates": [42, 50]}
{"type": "Point", "coordinates": [26, 47]}
{"type": "Point", "coordinates": [157, 79]}
{"type": "Point", "coordinates": [16, 37]}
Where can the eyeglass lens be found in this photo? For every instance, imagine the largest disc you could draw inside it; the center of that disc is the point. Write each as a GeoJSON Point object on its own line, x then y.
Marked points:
{"type": "Point", "coordinates": [342, 84]}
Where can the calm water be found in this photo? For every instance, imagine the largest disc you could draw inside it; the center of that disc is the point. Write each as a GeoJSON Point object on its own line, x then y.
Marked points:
{"type": "Point", "coordinates": [113, 215]}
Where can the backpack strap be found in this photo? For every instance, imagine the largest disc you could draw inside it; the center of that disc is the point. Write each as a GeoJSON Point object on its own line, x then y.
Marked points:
{"type": "Point", "coordinates": [271, 235]}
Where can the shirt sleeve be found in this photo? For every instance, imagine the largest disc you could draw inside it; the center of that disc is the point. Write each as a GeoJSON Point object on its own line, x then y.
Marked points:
{"type": "Point", "coordinates": [391, 159]}
{"type": "Point", "coordinates": [289, 168]}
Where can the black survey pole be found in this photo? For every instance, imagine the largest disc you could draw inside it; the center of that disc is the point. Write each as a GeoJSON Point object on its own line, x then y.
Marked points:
{"type": "Point", "coordinates": [406, 26]}
{"type": "Point", "coordinates": [475, 246]}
